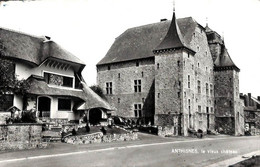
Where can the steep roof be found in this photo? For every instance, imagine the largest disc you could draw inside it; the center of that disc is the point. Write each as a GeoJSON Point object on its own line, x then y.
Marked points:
{"type": "Point", "coordinates": [33, 49]}
{"type": "Point", "coordinates": [224, 61]}
{"type": "Point", "coordinates": [39, 87]}
{"type": "Point", "coordinates": [173, 38]}
{"type": "Point", "coordinates": [139, 42]}
{"type": "Point", "coordinates": [95, 102]}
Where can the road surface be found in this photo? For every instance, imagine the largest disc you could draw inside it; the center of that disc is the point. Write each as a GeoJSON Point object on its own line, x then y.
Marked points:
{"type": "Point", "coordinates": [157, 152]}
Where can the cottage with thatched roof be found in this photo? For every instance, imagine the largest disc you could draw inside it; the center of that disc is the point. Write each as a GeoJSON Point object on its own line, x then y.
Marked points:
{"type": "Point", "coordinates": [54, 74]}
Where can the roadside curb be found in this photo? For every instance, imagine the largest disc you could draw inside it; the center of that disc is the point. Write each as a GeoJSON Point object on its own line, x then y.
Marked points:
{"type": "Point", "coordinates": [235, 160]}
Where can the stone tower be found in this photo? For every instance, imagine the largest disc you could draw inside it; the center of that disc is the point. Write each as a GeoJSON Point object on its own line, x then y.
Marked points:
{"type": "Point", "coordinates": [171, 80]}
{"type": "Point", "coordinates": [228, 109]}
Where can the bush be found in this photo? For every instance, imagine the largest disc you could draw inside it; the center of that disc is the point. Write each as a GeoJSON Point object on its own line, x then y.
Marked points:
{"type": "Point", "coordinates": [26, 117]}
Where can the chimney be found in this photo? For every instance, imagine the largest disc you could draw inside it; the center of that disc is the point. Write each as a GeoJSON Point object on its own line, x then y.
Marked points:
{"type": "Point", "coordinates": [246, 100]}
{"type": "Point", "coordinates": [163, 20]}
{"type": "Point", "coordinates": [249, 99]}
{"type": "Point", "coordinates": [258, 105]}
{"type": "Point", "coordinates": [47, 37]}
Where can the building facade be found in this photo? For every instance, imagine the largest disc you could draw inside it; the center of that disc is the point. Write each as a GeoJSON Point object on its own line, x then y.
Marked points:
{"type": "Point", "coordinates": [251, 113]}
{"type": "Point", "coordinates": [56, 85]}
{"type": "Point", "coordinates": [173, 73]}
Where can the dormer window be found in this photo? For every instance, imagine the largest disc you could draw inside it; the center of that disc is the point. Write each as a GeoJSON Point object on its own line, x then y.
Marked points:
{"type": "Point", "coordinates": [58, 80]}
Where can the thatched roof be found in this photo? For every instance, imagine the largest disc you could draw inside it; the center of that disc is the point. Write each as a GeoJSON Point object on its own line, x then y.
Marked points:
{"type": "Point", "coordinates": [33, 49]}
{"type": "Point", "coordinates": [95, 102]}
{"type": "Point", "coordinates": [139, 42]}
{"type": "Point", "coordinates": [91, 100]}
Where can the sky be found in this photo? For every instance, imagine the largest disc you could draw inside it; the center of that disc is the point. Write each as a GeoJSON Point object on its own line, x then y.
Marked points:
{"type": "Point", "coordinates": [88, 28]}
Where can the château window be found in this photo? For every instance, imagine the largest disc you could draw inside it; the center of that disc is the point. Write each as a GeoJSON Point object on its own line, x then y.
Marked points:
{"type": "Point", "coordinates": [64, 104]}
{"type": "Point", "coordinates": [118, 100]}
{"type": "Point", "coordinates": [142, 74]}
{"type": "Point", "coordinates": [211, 90]}
{"type": "Point", "coordinates": [138, 110]}
{"type": "Point", "coordinates": [158, 95]}
{"type": "Point", "coordinates": [199, 109]}
{"type": "Point", "coordinates": [179, 94]}
{"type": "Point", "coordinates": [207, 89]}
{"type": "Point", "coordinates": [119, 75]}
{"type": "Point", "coordinates": [199, 88]}
{"type": "Point", "coordinates": [137, 85]}
{"type": "Point", "coordinates": [109, 88]}
{"type": "Point", "coordinates": [158, 65]}
{"type": "Point", "coordinates": [178, 62]}
{"type": "Point", "coordinates": [137, 64]}
{"type": "Point", "coordinates": [188, 81]}
{"type": "Point", "coordinates": [108, 67]}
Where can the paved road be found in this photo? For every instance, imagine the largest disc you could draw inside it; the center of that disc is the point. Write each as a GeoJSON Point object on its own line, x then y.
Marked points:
{"type": "Point", "coordinates": [154, 152]}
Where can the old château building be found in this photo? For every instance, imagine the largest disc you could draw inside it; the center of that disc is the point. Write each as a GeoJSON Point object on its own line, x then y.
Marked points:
{"type": "Point", "coordinates": [173, 73]}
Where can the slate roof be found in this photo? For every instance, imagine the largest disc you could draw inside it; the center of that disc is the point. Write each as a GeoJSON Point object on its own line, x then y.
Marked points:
{"type": "Point", "coordinates": [39, 87]}
{"type": "Point", "coordinates": [33, 49]}
{"type": "Point", "coordinates": [139, 42]}
{"type": "Point", "coordinates": [173, 38]}
{"type": "Point", "coordinates": [224, 61]}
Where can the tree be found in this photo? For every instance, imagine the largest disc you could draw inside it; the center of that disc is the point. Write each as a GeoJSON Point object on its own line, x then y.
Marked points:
{"type": "Point", "coordinates": [98, 91]}
{"type": "Point", "coordinates": [9, 83]}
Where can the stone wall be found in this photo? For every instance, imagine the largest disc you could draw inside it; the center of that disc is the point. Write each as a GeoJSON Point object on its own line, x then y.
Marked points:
{"type": "Point", "coordinates": [21, 136]}
{"type": "Point", "coordinates": [176, 85]}
{"type": "Point", "coordinates": [122, 76]}
{"type": "Point", "coordinates": [99, 138]}
{"type": "Point", "coordinates": [165, 131]}
{"type": "Point", "coordinates": [225, 125]}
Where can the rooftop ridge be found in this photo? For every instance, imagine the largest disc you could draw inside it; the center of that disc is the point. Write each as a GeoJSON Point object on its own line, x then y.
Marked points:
{"type": "Point", "coordinates": [23, 33]}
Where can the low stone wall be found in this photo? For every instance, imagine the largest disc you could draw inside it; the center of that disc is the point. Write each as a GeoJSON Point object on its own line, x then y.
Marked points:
{"type": "Point", "coordinates": [21, 136]}
{"type": "Point", "coordinates": [99, 138]}
{"type": "Point", "coordinates": [164, 131]}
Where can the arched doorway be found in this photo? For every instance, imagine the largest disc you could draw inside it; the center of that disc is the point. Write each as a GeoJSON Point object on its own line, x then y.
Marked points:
{"type": "Point", "coordinates": [44, 106]}
{"type": "Point", "coordinates": [95, 116]}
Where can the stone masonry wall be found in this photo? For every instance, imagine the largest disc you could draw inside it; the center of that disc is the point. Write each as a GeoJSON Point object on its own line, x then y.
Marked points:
{"type": "Point", "coordinates": [21, 136]}
{"type": "Point", "coordinates": [122, 76]}
{"type": "Point", "coordinates": [99, 138]}
{"type": "Point", "coordinates": [203, 99]}
{"type": "Point", "coordinates": [165, 131]}
{"type": "Point", "coordinates": [227, 101]}
{"type": "Point", "coordinates": [168, 83]}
